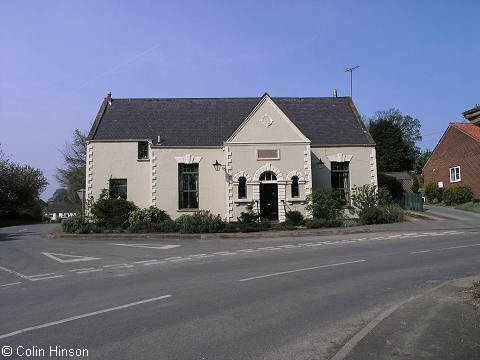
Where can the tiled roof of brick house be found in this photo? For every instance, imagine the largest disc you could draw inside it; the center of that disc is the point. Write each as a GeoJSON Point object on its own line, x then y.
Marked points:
{"type": "Point", "coordinates": [469, 129]}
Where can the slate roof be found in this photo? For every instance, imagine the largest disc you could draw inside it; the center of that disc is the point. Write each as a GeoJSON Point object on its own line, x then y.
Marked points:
{"type": "Point", "coordinates": [185, 122]}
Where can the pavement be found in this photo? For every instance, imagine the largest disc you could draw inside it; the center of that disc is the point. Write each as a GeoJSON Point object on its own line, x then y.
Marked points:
{"type": "Point", "coordinates": [443, 323]}
{"type": "Point", "coordinates": [316, 296]}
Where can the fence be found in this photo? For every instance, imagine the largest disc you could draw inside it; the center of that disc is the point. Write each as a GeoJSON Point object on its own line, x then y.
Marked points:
{"type": "Point", "coordinates": [413, 202]}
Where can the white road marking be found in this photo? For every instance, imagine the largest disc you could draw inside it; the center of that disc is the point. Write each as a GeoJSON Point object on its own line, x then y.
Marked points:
{"type": "Point", "coordinates": [31, 277]}
{"type": "Point", "coordinates": [443, 249]}
{"type": "Point", "coordinates": [199, 256]}
{"type": "Point", "coordinates": [420, 252]}
{"type": "Point", "coordinates": [150, 246]}
{"type": "Point", "coordinates": [224, 253]}
{"type": "Point", "coordinates": [81, 269]}
{"type": "Point", "coordinates": [39, 275]}
{"type": "Point", "coordinates": [88, 271]}
{"type": "Point", "coordinates": [66, 258]}
{"type": "Point", "coordinates": [247, 250]}
{"type": "Point", "coordinates": [15, 273]}
{"type": "Point", "coordinates": [11, 284]}
{"type": "Point", "coordinates": [181, 259]}
{"type": "Point", "coordinates": [82, 316]}
{"type": "Point", "coordinates": [458, 247]}
{"type": "Point", "coordinates": [268, 248]}
{"type": "Point", "coordinates": [47, 277]}
{"type": "Point", "coordinates": [173, 258]}
{"type": "Point", "coordinates": [117, 266]}
{"type": "Point", "coordinates": [155, 263]}
{"type": "Point", "coordinates": [299, 270]}
{"type": "Point", "coordinates": [145, 261]}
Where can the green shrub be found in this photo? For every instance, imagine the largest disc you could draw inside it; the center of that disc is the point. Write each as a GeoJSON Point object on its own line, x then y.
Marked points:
{"type": "Point", "coordinates": [381, 215]}
{"type": "Point", "coordinates": [248, 216]}
{"type": "Point", "coordinates": [393, 186]}
{"type": "Point", "coordinates": [111, 213]}
{"type": "Point", "coordinates": [457, 194]}
{"type": "Point", "coordinates": [394, 213]}
{"type": "Point", "coordinates": [431, 191]}
{"type": "Point", "coordinates": [294, 218]}
{"type": "Point", "coordinates": [78, 225]}
{"type": "Point", "coordinates": [321, 223]}
{"type": "Point", "coordinates": [202, 221]}
{"type": "Point", "coordinates": [165, 226]}
{"type": "Point", "coordinates": [372, 215]}
{"type": "Point", "coordinates": [181, 220]}
{"type": "Point", "coordinates": [147, 220]}
{"type": "Point", "coordinates": [367, 196]}
{"type": "Point", "coordinates": [325, 204]}
{"type": "Point", "coordinates": [232, 227]}
{"type": "Point", "coordinates": [439, 194]}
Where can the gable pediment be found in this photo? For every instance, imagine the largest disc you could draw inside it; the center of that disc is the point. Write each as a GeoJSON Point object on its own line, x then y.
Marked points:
{"type": "Point", "coordinates": [267, 123]}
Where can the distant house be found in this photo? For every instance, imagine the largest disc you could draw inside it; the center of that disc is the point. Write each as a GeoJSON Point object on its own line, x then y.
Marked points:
{"type": "Point", "coordinates": [58, 211]}
{"type": "Point", "coordinates": [221, 154]}
{"type": "Point", "coordinates": [456, 158]}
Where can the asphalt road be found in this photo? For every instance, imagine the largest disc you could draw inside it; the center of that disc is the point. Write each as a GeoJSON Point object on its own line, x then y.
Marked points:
{"type": "Point", "coordinates": [288, 298]}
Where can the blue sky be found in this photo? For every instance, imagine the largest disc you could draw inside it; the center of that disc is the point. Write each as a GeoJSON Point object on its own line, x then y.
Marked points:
{"type": "Point", "coordinates": [59, 59]}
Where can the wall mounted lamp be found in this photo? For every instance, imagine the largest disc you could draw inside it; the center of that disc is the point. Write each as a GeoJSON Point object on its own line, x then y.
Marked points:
{"type": "Point", "coordinates": [217, 166]}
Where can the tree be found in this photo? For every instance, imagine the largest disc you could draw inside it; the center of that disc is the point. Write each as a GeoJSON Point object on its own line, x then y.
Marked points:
{"type": "Point", "coordinates": [72, 175]}
{"type": "Point", "coordinates": [396, 136]}
{"type": "Point", "coordinates": [60, 195]}
{"type": "Point", "coordinates": [421, 160]}
{"type": "Point", "coordinates": [20, 189]}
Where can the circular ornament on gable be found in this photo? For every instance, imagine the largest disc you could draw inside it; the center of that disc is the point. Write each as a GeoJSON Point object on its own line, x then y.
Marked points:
{"type": "Point", "coordinates": [266, 120]}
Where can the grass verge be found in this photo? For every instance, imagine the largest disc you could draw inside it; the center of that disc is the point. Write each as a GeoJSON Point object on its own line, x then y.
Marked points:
{"type": "Point", "coordinates": [469, 206]}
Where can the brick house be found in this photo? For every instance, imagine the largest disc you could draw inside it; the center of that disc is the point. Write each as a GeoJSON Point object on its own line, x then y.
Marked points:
{"type": "Point", "coordinates": [456, 158]}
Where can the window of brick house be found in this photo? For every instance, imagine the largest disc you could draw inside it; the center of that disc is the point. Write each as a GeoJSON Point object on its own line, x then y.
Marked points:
{"type": "Point", "coordinates": [455, 174]}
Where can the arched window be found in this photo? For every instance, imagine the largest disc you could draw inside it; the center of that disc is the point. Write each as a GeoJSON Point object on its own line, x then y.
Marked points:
{"type": "Point", "coordinates": [295, 189]}
{"type": "Point", "coordinates": [268, 176]}
{"type": "Point", "coordinates": [242, 188]}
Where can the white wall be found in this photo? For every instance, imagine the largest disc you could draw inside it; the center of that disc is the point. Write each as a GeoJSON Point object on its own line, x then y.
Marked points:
{"type": "Point", "coordinates": [165, 182]}
{"type": "Point", "coordinates": [118, 160]}
{"type": "Point", "coordinates": [363, 168]}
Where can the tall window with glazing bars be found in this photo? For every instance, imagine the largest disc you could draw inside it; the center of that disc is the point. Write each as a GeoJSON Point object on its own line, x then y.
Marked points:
{"type": "Point", "coordinates": [341, 179]}
{"type": "Point", "coordinates": [187, 186]}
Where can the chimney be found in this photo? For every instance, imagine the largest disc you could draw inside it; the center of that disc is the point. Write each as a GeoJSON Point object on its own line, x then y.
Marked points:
{"type": "Point", "coordinates": [108, 98]}
{"type": "Point", "coordinates": [334, 92]}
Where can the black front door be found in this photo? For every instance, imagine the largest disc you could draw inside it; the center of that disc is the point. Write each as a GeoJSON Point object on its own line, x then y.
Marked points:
{"type": "Point", "coordinates": [269, 201]}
